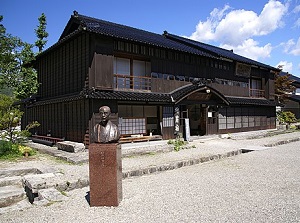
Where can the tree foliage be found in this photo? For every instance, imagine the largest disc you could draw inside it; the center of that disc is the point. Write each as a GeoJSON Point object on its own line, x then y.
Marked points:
{"type": "Point", "coordinates": [16, 71]}
{"type": "Point", "coordinates": [287, 117]}
{"type": "Point", "coordinates": [10, 117]}
{"type": "Point", "coordinates": [283, 87]}
{"type": "Point", "coordinates": [41, 33]}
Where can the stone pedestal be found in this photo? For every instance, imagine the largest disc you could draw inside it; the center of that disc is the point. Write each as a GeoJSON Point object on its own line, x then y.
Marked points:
{"type": "Point", "coordinates": [105, 168]}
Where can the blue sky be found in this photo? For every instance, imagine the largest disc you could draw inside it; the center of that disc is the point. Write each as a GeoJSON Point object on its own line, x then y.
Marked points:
{"type": "Point", "coordinates": [265, 30]}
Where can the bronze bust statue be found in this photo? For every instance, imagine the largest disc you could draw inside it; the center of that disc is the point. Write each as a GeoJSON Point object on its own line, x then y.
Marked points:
{"type": "Point", "coordinates": [105, 131]}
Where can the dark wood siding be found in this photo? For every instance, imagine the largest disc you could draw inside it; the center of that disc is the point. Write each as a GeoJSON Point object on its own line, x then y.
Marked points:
{"type": "Point", "coordinates": [69, 120]}
{"type": "Point", "coordinates": [229, 90]}
{"type": "Point", "coordinates": [64, 70]}
{"type": "Point", "coordinates": [101, 72]}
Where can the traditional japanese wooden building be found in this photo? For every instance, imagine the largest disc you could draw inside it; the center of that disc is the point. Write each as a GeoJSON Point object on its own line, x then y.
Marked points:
{"type": "Point", "coordinates": [152, 82]}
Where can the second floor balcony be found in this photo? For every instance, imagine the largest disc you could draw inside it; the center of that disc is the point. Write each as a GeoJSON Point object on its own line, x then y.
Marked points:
{"type": "Point", "coordinates": [164, 83]}
{"type": "Point", "coordinates": [257, 93]}
{"type": "Point", "coordinates": [133, 83]}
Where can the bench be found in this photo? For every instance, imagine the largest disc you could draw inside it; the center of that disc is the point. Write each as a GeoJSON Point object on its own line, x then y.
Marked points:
{"type": "Point", "coordinates": [139, 139]}
{"type": "Point", "coordinates": [46, 140]}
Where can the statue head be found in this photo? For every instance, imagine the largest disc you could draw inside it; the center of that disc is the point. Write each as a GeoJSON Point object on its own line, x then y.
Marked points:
{"type": "Point", "coordinates": [104, 113]}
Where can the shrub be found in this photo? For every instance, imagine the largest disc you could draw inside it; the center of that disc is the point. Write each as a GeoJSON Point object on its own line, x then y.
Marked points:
{"type": "Point", "coordinates": [286, 117]}
{"type": "Point", "coordinates": [178, 143]}
{"type": "Point", "coordinates": [26, 150]}
{"type": "Point", "coordinates": [10, 117]}
{"type": "Point", "coordinates": [8, 150]}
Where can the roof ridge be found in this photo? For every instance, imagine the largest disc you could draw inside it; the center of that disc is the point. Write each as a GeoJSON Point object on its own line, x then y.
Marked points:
{"type": "Point", "coordinates": [195, 41]}
{"type": "Point", "coordinates": [116, 24]}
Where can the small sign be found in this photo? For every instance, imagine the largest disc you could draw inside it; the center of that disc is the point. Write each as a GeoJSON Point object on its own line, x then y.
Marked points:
{"type": "Point", "coordinates": [187, 129]}
{"type": "Point", "coordinates": [177, 122]}
{"type": "Point", "coordinates": [209, 114]}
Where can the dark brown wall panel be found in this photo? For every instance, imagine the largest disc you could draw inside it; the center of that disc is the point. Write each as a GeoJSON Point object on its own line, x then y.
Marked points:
{"type": "Point", "coordinates": [101, 72]}
{"type": "Point", "coordinates": [64, 69]}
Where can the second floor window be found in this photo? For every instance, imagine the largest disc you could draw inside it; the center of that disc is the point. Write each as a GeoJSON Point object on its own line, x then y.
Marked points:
{"type": "Point", "coordinates": [256, 84]}
{"type": "Point", "coordinates": [131, 74]}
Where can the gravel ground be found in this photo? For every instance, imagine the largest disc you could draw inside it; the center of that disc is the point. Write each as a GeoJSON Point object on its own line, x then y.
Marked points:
{"type": "Point", "coordinates": [261, 186]}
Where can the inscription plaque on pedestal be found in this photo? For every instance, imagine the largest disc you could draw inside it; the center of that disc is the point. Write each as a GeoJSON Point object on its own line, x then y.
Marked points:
{"type": "Point", "coordinates": [105, 170]}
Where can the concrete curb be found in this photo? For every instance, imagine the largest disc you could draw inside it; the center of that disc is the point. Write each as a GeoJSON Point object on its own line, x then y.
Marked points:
{"type": "Point", "coordinates": [282, 142]}
{"type": "Point", "coordinates": [178, 164]}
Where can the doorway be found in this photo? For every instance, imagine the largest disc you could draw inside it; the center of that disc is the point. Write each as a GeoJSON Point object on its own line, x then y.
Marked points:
{"type": "Point", "coordinates": [197, 118]}
{"type": "Point", "coordinates": [203, 119]}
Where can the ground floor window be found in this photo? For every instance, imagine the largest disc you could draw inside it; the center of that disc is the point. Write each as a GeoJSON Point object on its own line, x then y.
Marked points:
{"type": "Point", "coordinates": [245, 117]}
{"type": "Point", "coordinates": [138, 119]}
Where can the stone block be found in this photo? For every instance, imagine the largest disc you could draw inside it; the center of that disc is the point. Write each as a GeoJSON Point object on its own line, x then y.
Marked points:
{"type": "Point", "coordinates": [10, 195]}
{"type": "Point", "coordinates": [105, 173]}
{"type": "Point", "coordinates": [51, 195]}
{"type": "Point", "coordinates": [39, 181]}
{"type": "Point", "coordinates": [7, 181]}
{"type": "Point", "coordinates": [72, 147]}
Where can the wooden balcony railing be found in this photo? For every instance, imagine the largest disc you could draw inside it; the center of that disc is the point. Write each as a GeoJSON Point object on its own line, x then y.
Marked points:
{"type": "Point", "coordinates": [134, 83]}
{"type": "Point", "coordinates": [257, 93]}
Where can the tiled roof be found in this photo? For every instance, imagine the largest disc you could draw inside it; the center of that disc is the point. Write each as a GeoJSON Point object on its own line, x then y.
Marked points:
{"type": "Point", "coordinates": [129, 96]}
{"type": "Point", "coordinates": [295, 98]}
{"type": "Point", "coordinates": [184, 91]}
{"type": "Point", "coordinates": [250, 101]}
{"type": "Point", "coordinates": [291, 77]}
{"type": "Point", "coordinates": [217, 51]}
{"type": "Point", "coordinates": [173, 97]}
{"type": "Point", "coordinates": [132, 34]}
{"type": "Point", "coordinates": [166, 40]}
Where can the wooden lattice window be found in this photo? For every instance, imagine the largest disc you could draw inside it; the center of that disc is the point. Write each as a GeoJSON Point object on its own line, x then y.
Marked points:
{"type": "Point", "coordinates": [132, 126]}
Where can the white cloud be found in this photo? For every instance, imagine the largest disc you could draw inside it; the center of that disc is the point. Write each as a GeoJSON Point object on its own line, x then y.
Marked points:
{"type": "Point", "coordinates": [290, 47]}
{"type": "Point", "coordinates": [296, 48]}
{"type": "Point", "coordinates": [250, 49]}
{"type": "Point", "coordinates": [287, 46]}
{"type": "Point", "coordinates": [235, 26]}
{"type": "Point", "coordinates": [297, 23]}
{"type": "Point", "coordinates": [296, 9]}
{"type": "Point", "coordinates": [286, 66]}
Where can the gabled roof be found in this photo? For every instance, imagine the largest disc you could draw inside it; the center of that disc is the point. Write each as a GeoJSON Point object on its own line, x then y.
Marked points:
{"type": "Point", "coordinates": [169, 41]}
{"type": "Point", "coordinates": [295, 98]}
{"type": "Point", "coordinates": [216, 51]}
{"type": "Point", "coordinates": [184, 91]}
{"type": "Point", "coordinates": [119, 31]}
{"type": "Point", "coordinates": [291, 77]}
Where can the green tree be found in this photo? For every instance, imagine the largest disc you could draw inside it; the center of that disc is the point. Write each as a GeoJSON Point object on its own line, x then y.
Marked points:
{"type": "Point", "coordinates": [16, 71]}
{"type": "Point", "coordinates": [28, 85]}
{"type": "Point", "coordinates": [10, 117]}
{"type": "Point", "coordinates": [9, 58]}
{"type": "Point", "coordinates": [283, 87]}
{"type": "Point", "coordinates": [287, 117]}
{"type": "Point", "coordinates": [41, 33]}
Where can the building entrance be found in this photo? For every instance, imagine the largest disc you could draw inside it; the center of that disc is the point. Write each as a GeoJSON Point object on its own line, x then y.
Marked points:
{"type": "Point", "coordinates": [203, 119]}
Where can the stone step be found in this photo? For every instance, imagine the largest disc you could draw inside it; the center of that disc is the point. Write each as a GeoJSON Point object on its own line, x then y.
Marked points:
{"type": "Point", "coordinates": [49, 196]}
{"type": "Point", "coordinates": [40, 181]}
{"type": "Point", "coordinates": [10, 195]}
{"type": "Point", "coordinates": [18, 172]}
{"type": "Point", "coordinates": [8, 181]}
{"type": "Point", "coordinates": [19, 206]}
